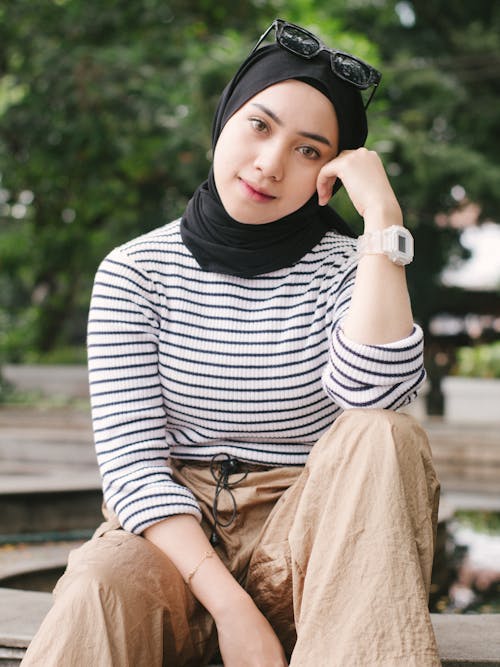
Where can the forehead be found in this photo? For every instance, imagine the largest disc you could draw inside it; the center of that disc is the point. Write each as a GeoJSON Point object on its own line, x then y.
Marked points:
{"type": "Point", "coordinates": [295, 102]}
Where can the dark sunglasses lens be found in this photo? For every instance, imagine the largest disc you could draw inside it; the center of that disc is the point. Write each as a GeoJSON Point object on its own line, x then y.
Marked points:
{"type": "Point", "coordinates": [298, 41]}
{"type": "Point", "coordinates": [351, 70]}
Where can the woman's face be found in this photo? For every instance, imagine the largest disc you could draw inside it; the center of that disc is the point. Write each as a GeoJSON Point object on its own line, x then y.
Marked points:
{"type": "Point", "coordinates": [269, 153]}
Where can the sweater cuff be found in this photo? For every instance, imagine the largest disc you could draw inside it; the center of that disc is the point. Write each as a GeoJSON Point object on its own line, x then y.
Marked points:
{"type": "Point", "coordinates": [148, 504]}
{"type": "Point", "coordinates": [385, 364]}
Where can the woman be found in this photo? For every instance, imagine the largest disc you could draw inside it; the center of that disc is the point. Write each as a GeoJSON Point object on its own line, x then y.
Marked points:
{"type": "Point", "coordinates": [262, 494]}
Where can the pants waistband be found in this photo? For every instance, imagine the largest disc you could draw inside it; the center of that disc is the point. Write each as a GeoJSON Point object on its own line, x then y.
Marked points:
{"type": "Point", "coordinates": [237, 465]}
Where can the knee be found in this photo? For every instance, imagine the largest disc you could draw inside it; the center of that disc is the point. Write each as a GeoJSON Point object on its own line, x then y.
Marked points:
{"type": "Point", "coordinates": [103, 573]}
{"type": "Point", "coordinates": [91, 569]}
{"type": "Point", "coordinates": [366, 421]}
{"type": "Point", "coordinates": [373, 433]}
{"type": "Point", "coordinates": [121, 565]}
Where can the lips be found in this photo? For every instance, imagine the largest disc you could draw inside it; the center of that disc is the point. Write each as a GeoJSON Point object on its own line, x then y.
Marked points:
{"type": "Point", "coordinates": [255, 193]}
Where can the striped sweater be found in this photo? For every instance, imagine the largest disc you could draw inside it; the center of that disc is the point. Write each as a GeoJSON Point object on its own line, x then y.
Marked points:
{"type": "Point", "coordinates": [186, 364]}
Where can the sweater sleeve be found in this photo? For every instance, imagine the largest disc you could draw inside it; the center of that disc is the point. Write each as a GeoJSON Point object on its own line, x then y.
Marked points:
{"type": "Point", "coordinates": [128, 416]}
{"type": "Point", "coordinates": [370, 376]}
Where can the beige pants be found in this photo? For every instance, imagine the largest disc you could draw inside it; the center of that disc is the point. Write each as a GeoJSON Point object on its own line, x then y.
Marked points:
{"type": "Point", "coordinates": [337, 555]}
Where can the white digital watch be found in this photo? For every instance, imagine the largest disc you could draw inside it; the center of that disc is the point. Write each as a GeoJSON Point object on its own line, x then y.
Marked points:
{"type": "Point", "coordinates": [395, 242]}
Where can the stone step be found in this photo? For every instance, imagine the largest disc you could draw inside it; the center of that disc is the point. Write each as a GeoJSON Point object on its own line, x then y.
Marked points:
{"type": "Point", "coordinates": [35, 567]}
{"type": "Point", "coordinates": [48, 472]}
{"type": "Point", "coordinates": [464, 640]}
{"type": "Point", "coordinates": [468, 640]}
{"type": "Point", "coordinates": [24, 514]}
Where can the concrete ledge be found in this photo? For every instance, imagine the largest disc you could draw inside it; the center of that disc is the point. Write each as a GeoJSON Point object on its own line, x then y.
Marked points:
{"type": "Point", "coordinates": [467, 640]}
{"type": "Point", "coordinates": [464, 640]}
{"type": "Point", "coordinates": [11, 657]}
{"type": "Point", "coordinates": [21, 613]}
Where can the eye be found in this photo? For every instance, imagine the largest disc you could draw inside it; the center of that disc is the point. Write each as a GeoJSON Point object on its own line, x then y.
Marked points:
{"type": "Point", "coordinates": [258, 125]}
{"type": "Point", "coordinates": [309, 152]}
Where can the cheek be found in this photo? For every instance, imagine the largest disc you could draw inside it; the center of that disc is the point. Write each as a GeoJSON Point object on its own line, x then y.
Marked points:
{"type": "Point", "coordinates": [226, 156]}
{"type": "Point", "coordinates": [303, 183]}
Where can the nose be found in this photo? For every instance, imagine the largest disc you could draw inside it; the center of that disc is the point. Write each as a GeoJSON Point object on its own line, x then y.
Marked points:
{"type": "Point", "coordinates": [270, 160]}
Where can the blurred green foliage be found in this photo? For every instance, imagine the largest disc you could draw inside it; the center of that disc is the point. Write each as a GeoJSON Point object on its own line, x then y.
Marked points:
{"type": "Point", "coordinates": [479, 361]}
{"type": "Point", "coordinates": [481, 521]}
{"type": "Point", "coordinates": [105, 113]}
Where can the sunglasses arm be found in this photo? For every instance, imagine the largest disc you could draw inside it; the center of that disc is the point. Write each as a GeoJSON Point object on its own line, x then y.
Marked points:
{"type": "Point", "coordinates": [373, 91]}
{"type": "Point", "coordinates": [263, 36]}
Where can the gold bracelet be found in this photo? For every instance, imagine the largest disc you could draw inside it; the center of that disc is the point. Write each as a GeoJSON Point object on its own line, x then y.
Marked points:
{"type": "Point", "coordinates": [207, 554]}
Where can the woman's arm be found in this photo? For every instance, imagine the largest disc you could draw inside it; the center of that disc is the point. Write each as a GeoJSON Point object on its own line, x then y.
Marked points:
{"type": "Point", "coordinates": [246, 639]}
{"type": "Point", "coordinates": [128, 414]}
{"type": "Point", "coordinates": [380, 310]}
{"type": "Point", "coordinates": [183, 541]}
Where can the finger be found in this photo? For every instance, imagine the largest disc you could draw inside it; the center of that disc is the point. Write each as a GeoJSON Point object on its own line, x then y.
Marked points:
{"type": "Point", "coordinates": [324, 184]}
{"type": "Point", "coordinates": [325, 190]}
{"type": "Point", "coordinates": [328, 174]}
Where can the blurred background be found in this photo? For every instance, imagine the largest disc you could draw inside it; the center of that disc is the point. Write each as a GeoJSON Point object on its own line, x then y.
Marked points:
{"type": "Point", "coordinates": [105, 114]}
{"type": "Point", "coordinates": [105, 118]}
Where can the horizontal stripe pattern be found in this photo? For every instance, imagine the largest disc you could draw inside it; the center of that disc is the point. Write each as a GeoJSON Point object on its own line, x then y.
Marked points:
{"type": "Point", "coordinates": [187, 364]}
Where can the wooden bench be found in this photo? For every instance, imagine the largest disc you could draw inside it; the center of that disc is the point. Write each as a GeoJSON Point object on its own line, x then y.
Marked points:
{"type": "Point", "coordinates": [464, 640]}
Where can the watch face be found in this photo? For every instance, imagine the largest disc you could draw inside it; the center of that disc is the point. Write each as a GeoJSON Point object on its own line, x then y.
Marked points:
{"type": "Point", "coordinates": [401, 243]}
{"type": "Point", "coordinates": [396, 242]}
{"type": "Point", "coordinates": [405, 248]}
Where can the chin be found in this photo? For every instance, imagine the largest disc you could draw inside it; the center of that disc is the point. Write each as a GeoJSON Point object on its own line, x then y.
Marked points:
{"type": "Point", "coordinates": [246, 221]}
{"type": "Point", "coordinates": [241, 215]}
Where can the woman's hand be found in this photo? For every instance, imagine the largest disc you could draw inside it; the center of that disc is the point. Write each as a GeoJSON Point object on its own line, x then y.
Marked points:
{"type": "Point", "coordinates": [364, 178]}
{"type": "Point", "coordinates": [246, 638]}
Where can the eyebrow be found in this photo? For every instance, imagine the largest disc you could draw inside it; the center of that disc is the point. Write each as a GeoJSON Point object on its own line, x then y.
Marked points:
{"type": "Point", "coordinates": [278, 121]}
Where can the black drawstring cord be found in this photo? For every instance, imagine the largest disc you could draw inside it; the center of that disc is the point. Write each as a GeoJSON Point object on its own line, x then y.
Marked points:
{"type": "Point", "coordinates": [221, 470]}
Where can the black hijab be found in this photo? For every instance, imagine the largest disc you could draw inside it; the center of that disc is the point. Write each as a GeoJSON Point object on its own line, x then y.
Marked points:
{"type": "Point", "coordinates": [223, 245]}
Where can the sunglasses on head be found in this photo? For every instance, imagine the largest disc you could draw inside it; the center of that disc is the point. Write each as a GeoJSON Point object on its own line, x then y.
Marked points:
{"type": "Point", "coordinates": [303, 43]}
